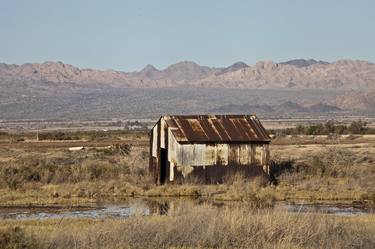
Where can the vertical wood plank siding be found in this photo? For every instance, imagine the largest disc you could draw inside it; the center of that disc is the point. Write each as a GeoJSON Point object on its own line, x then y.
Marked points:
{"type": "Point", "coordinates": [172, 134]}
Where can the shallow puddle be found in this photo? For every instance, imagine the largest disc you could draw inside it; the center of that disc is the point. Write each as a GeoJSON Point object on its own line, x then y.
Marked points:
{"type": "Point", "coordinates": [159, 206]}
{"type": "Point", "coordinates": [336, 209]}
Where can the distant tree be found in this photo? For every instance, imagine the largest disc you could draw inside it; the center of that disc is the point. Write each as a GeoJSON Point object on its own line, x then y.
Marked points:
{"type": "Point", "coordinates": [300, 129]}
{"type": "Point", "coordinates": [358, 127]}
{"type": "Point", "coordinates": [340, 129]}
{"type": "Point", "coordinates": [329, 127]}
{"type": "Point", "coordinates": [315, 129]}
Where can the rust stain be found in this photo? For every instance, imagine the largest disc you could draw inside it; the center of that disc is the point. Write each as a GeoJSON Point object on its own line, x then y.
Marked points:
{"type": "Point", "coordinates": [233, 154]}
{"type": "Point", "coordinates": [209, 129]}
{"type": "Point", "coordinates": [197, 128]}
{"type": "Point", "coordinates": [221, 129]}
{"type": "Point", "coordinates": [217, 128]}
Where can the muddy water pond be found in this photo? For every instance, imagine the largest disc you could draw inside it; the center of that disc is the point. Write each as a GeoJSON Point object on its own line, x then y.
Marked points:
{"type": "Point", "coordinates": [146, 207]}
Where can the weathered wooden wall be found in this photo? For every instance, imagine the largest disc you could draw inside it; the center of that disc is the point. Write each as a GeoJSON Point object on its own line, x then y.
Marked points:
{"type": "Point", "coordinates": [220, 154]}
{"type": "Point", "coordinates": [184, 159]}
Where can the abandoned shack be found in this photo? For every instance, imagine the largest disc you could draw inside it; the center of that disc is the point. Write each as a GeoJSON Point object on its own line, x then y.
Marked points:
{"type": "Point", "coordinates": [207, 148]}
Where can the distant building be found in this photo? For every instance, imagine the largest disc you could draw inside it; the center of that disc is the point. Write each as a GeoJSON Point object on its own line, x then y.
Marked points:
{"type": "Point", "coordinates": [207, 148]}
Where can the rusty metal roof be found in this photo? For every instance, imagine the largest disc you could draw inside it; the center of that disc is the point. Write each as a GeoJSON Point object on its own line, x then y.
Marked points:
{"type": "Point", "coordinates": [217, 129]}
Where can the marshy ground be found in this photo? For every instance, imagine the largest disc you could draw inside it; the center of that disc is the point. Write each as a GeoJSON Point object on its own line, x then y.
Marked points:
{"type": "Point", "coordinates": [114, 166]}
{"type": "Point", "coordinates": [195, 227]}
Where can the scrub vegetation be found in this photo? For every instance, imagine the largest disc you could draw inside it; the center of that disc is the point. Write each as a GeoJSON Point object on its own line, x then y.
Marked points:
{"type": "Point", "coordinates": [329, 128]}
{"type": "Point", "coordinates": [195, 227]}
{"type": "Point", "coordinates": [114, 164]}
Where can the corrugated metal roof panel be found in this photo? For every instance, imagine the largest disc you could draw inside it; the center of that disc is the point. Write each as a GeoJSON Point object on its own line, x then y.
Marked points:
{"type": "Point", "coordinates": [217, 128]}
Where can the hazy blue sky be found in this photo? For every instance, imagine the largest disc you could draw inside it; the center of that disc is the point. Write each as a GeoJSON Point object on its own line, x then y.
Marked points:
{"type": "Point", "coordinates": [127, 35]}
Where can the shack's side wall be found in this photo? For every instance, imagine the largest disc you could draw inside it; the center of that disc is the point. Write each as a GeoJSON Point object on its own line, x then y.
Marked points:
{"type": "Point", "coordinates": [153, 161]}
{"type": "Point", "coordinates": [158, 139]}
{"type": "Point", "coordinates": [211, 163]}
{"type": "Point", "coordinates": [216, 154]}
{"type": "Point", "coordinates": [215, 174]}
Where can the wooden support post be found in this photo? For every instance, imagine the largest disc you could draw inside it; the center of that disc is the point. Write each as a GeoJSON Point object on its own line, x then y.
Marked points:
{"type": "Point", "coordinates": [171, 172]}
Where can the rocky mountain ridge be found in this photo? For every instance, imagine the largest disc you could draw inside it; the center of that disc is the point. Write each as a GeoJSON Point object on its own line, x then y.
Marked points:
{"type": "Point", "coordinates": [356, 100]}
{"type": "Point", "coordinates": [295, 74]}
{"type": "Point", "coordinates": [285, 107]}
{"type": "Point", "coordinates": [350, 84]}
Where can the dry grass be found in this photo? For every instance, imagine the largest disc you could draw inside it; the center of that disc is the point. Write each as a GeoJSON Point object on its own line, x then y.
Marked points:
{"type": "Point", "coordinates": [199, 227]}
{"type": "Point", "coordinates": [327, 173]}
{"type": "Point", "coordinates": [49, 174]}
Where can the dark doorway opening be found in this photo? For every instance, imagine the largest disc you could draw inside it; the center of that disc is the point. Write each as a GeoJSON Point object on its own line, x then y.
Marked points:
{"type": "Point", "coordinates": [163, 164]}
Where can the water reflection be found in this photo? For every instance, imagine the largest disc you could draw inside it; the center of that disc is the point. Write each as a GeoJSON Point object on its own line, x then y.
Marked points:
{"type": "Point", "coordinates": [160, 206]}
{"type": "Point", "coordinates": [341, 210]}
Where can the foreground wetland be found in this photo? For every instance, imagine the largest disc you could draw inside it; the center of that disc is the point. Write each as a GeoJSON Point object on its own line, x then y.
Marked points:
{"type": "Point", "coordinates": [99, 195]}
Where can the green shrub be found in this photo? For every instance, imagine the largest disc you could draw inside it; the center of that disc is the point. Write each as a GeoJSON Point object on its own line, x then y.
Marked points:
{"type": "Point", "coordinates": [317, 166]}
{"type": "Point", "coordinates": [57, 135]}
{"type": "Point", "coordinates": [329, 162]}
{"type": "Point", "coordinates": [328, 128]}
{"type": "Point", "coordinates": [357, 127]}
{"type": "Point", "coordinates": [10, 177]}
{"type": "Point", "coordinates": [99, 170]}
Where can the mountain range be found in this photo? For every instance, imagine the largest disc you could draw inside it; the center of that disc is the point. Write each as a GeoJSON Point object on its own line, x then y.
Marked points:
{"type": "Point", "coordinates": [356, 100]}
{"type": "Point", "coordinates": [294, 74]}
{"type": "Point", "coordinates": [58, 90]}
{"type": "Point", "coordinates": [285, 107]}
